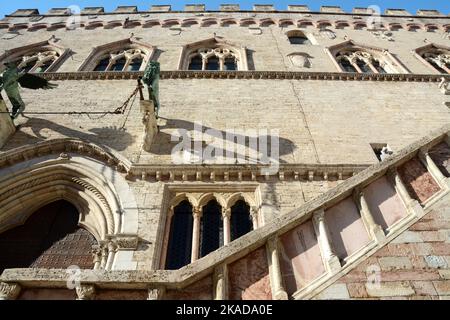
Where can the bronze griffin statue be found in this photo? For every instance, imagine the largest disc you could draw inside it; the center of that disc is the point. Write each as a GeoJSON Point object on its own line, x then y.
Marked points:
{"type": "Point", "coordinates": [10, 81]}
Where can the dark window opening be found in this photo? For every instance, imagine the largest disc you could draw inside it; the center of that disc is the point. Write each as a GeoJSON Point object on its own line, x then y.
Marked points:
{"type": "Point", "coordinates": [241, 222]}
{"type": "Point", "coordinates": [363, 66]}
{"type": "Point", "coordinates": [135, 65]}
{"type": "Point", "coordinates": [378, 66]}
{"type": "Point", "coordinates": [211, 231]}
{"type": "Point", "coordinates": [119, 65]}
{"type": "Point", "coordinates": [28, 67]}
{"type": "Point", "coordinates": [196, 63]}
{"type": "Point", "coordinates": [347, 66]}
{"type": "Point", "coordinates": [299, 39]}
{"type": "Point", "coordinates": [230, 64]}
{"type": "Point", "coordinates": [102, 65]}
{"type": "Point", "coordinates": [50, 238]}
{"type": "Point", "coordinates": [436, 66]}
{"type": "Point", "coordinates": [180, 239]}
{"type": "Point", "coordinates": [213, 64]}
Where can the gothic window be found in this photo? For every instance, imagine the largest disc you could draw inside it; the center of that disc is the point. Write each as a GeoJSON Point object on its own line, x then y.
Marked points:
{"type": "Point", "coordinates": [439, 59]}
{"type": "Point", "coordinates": [213, 59]}
{"type": "Point", "coordinates": [359, 61]}
{"type": "Point", "coordinates": [122, 60]}
{"type": "Point", "coordinates": [213, 54]}
{"type": "Point", "coordinates": [241, 222]}
{"type": "Point", "coordinates": [180, 239]}
{"type": "Point", "coordinates": [50, 238]}
{"type": "Point", "coordinates": [195, 231]}
{"type": "Point", "coordinates": [211, 231]}
{"type": "Point", "coordinates": [121, 56]}
{"type": "Point", "coordinates": [37, 62]}
{"type": "Point", "coordinates": [298, 37]}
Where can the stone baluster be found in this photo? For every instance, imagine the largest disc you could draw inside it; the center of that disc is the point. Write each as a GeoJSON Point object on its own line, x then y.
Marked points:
{"type": "Point", "coordinates": [330, 259]}
{"type": "Point", "coordinates": [432, 168]}
{"type": "Point", "coordinates": [375, 230]}
{"type": "Point", "coordinates": [197, 214]}
{"type": "Point", "coordinates": [412, 205]}
{"type": "Point", "coordinates": [226, 216]}
{"type": "Point", "coordinates": [276, 278]}
{"type": "Point", "coordinates": [9, 291]}
{"type": "Point", "coordinates": [85, 292]}
{"type": "Point", "coordinates": [221, 282]}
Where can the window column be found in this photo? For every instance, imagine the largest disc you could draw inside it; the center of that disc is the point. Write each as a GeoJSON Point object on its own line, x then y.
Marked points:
{"type": "Point", "coordinates": [197, 215]}
{"type": "Point", "coordinates": [226, 216]}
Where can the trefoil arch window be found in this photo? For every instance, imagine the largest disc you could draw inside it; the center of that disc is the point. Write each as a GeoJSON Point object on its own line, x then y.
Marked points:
{"type": "Point", "coordinates": [196, 231]}
{"type": "Point", "coordinates": [214, 54]}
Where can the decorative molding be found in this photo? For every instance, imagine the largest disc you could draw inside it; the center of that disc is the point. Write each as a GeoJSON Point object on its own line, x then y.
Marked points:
{"type": "Point", "coordinates": [256, 75]}
{"type": "Point", "coordinates": [85, 292]}
{"type": "Point", "coordinates": [9, 291]}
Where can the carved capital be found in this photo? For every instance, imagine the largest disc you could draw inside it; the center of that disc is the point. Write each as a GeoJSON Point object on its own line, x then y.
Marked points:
{"type": "Point", "coordinates": [85, 292]}
{"type": "Point", "coordinates": [196, 212]}
{"type": "Point", "coordinates": [9, 291]}
{"type": "Point", "coordinates": [226, 213]}
{"type": "Point", "coordinates": [319, 216]}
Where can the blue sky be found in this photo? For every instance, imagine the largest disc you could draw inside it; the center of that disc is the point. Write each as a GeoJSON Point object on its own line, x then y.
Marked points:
{"type": "Point", "coordinates": [8, 6]}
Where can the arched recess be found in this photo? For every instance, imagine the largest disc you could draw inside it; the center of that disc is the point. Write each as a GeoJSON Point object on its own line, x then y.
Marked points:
{"type": "Point", "coordinates": [50, 238]}
{"type": "Point", "coordinates": [436, 57]}
{"type": "Point", "coordinates": [213, 54]}
{"type": "Point", "coordinates": [119, 53]}
{"type": "Point", "coordinates": [45, 56]}
{"type": "Point", "coordinates": [350, 56]}
{"type": "Point", "coordinates": [106, 205]}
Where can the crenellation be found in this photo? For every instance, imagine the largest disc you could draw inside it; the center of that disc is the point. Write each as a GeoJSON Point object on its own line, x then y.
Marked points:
{"type": "Point", "coordinates": [397, 12]}
{"type": "Point", "coordinates": [92, 10]}
{"type": "Point", "coordinates": [331, 9]}
{"type": "Point", "coordinates": [58, 11]}
{"type": "Point", "coordinates": [25, 12]}
{"type": "Point", "coordinates": [263, 7]}
{"type": "Point", "coordinates": [194, 7]}
{"type": "Point", "coordinates": [298, 8]}
{"type": "Point", "coordinates": [126, 9]}
{"type": "Point", "coordinates": [161, 8]}
{"type": "Point", "coordinates": [229, 7]}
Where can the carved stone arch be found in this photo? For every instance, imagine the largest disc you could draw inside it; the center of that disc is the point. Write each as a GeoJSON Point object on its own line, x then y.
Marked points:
{"type": "Point", "coordinates": [235, 197]}
{"type": "Point", "coordinates": [266, 22]}
{"type": "Point", "coordinates": [226, 22]}
{"type": "Point", "coordinates": [283, 23]}
{"type": "Point", "coordinates": [216, 43]}
{"type": "Point", "coordinates": [207, 22]}
{"type": "Point", "coordinates": [204, 199]}
{"type": "Point", "coordinates": [44, 48]}
{"type": "Point", "coordinates": [38, 26]}
{"type": "Point", "coordinates": [388, 61]}
{"type": "Point", "coordinates": [436, 57]}
{"type": "Point", "coordinates": [189, 22]}
{"type": "Point", "coordinates": [247, 22]}
{"type": "Point", "coordinates": [39, 185]}
{"type": "Point", "coordinates": [151, 23]}
{"type": "Point", "coordinates": [114, 24]}
{"type": "Point", "coordinates": [181, 197]}
{"type": "Point", "coordinates": [170, 23]}
{"type": "Point", "coordinates": [100, 52]}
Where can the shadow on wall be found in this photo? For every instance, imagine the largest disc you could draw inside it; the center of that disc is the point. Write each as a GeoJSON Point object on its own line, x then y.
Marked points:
{"type": "Point", "coordinates": [162, 144]}
{"type": "Point", "coordinates": [116, 138]}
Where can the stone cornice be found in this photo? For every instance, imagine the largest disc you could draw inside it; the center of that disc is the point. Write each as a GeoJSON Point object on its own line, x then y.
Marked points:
{"type": "Point", "coordinates": [263, 75]}
{"type": "Point", "coordinates": [66, 148]}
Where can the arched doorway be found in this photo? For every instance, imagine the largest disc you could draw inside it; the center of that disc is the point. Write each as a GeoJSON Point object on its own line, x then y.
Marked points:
{"type": "Point", "coordinates": [50, 238]}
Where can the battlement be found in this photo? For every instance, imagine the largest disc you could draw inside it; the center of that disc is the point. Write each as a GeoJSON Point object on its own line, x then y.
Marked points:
{"type": "Point", "coordinates": [228, 8]}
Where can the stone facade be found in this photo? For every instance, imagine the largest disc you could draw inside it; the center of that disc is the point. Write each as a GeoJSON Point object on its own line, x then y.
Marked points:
{"type": "Point", "coordinates": [118, 170]}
